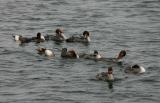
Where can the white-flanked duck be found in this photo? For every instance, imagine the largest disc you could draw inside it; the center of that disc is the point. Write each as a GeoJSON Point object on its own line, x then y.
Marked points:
{"type": "Point", "coordinates": [69, 54]}
{"type": "Point", "coordinates": [39, 38]}
{"type": "Point", "coordinates": [93, 56]}
{"type": "Point", "coordinates": [135, 69]}
{"type": "Point", "coordinates": [59, 36]}
{"type": "Point", "coordinates": [97, 56]}
{"type": "Point", "coordinates": [45, 51]}
{"type": "Point", "coordinates": [84, 38]}
{"type": "Point", "coordinates": [106, 76]}
{"type": "Point", "coordinates": [20, 39]}
{"type": "Point", "coordinates": [117, 59]}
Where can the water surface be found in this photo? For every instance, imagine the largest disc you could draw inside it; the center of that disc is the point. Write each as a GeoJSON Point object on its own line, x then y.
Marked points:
{"type": "Point", "coordinates": [26, 77]}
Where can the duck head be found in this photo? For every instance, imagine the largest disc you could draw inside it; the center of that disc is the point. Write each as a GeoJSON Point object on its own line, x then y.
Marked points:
{"type": "Point", "coordinates": [121, 54]}
{"type": "Point", "coordinates": [95, 52]}
{"type": "Point", "coordinates": [110, 70]}
{"type": "Point", "coordinates": [86, 35]}
{"type": "Point", "coordinates": [64, 52]}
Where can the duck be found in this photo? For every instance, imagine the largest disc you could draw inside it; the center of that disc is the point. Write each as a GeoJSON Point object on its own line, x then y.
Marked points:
{"type": "Point", "coordinates": [20, 39]}
{"type": "Point", "coordinates": [117, 59]}
{"type": "Point", "coordinates": [69, 54]}
{"type": "Point", "coordinates": [39, 38]}
{"type": "Point", "coordinates": [121, 55]}
{"type": "Point", "coordinates": [58, 37]}
{"type": "Point", "coordinates": [95, 55]}
{"type": "Point", "coordinates": [45, 51]}
{"type": "Point", "coordinates": [106, 76]}
{"type": "Point", "coordinates": [84, 38]}
{"type": "Point", "coordinates": [135, 69]}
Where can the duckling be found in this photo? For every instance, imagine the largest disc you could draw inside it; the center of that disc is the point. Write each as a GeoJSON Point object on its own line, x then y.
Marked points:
{"type": "Point", "coordinates": [106, 76]}
{"type": "Point", "coordinates": [69, 54]}
{"type": "Point", "coordinates": [45, 51]}
{"type": "Point", "coordinates": [135, 69]}
{"type": "Point", "coordinates": [84, 38]}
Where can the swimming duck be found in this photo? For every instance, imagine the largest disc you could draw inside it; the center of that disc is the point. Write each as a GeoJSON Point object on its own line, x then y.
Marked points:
{"type": "Point", "coordinates": [45, 51]}
{"type": "Point", "coordinates": [20, 39]}
{"type": "Point", "coordinates": [84, 38]}
{"type": "Point", "coordinates": [106, 76]}
{"type": "Point", "coordinates": [117, 59]}
{"type": "Point", "coordinates": [97, 56]}
{"type": "Point", "coordinates": [58, 37]}
{"type": "Point", "coordinates": [121, 54]}
{"type": "Point", "coordinates": [93, 56]}
{"type": "Point", "coordinates": [39, 38]}
{"type": "Point", "coordinates": [135, 69]}
{"type": "Point", "coordinates": [69, 54]}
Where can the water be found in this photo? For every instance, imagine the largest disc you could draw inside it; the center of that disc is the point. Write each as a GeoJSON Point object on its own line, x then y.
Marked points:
{"type": "Point", "coordinates": [26, 77]}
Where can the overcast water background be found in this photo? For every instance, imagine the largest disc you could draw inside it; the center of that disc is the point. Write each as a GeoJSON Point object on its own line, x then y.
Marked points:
{"type": "Point", "coordinates": [133, 25]}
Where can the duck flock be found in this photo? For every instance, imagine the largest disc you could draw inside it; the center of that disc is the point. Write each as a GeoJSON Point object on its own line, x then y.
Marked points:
{"type": "Point", "coordinates": [65, 53]}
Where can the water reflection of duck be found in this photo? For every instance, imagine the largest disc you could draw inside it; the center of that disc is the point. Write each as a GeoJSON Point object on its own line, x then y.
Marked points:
{"type": "Point", "coordinates": [45, 51]}
{"type": "Point", "coordinates": [135, 69]}
{"type": "Point", "coordinates": [106, 76]}
{"type": "Point", "coordinates": [69, 54]}
{"type": "Point", "coordinates": [84, 38]}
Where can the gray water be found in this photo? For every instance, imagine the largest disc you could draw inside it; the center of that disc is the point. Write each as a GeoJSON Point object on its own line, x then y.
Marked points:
{"type": "Point", "coordinates": [133, 25]}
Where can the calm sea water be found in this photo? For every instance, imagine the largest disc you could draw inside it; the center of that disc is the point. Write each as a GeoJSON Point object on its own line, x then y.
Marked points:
{"type": "Point", "coordinates": [26, 77]}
